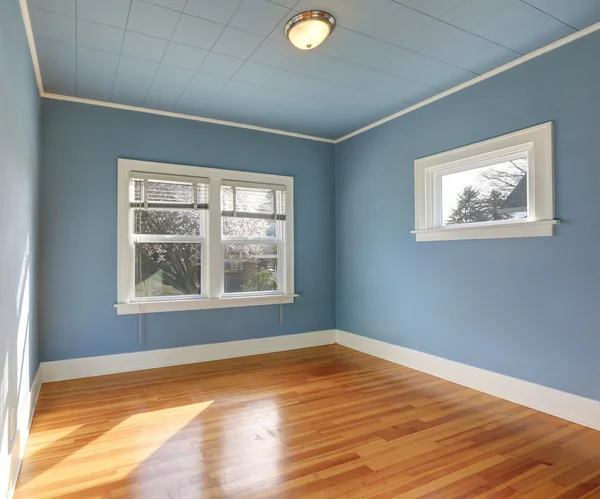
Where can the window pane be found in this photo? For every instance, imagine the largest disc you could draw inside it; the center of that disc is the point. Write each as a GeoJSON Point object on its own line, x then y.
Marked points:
{"type": "Point", "coordinates": [248, 227]}
{"type": "Point", "coordinates": [250, 268]}
{"type": "Point", "coordinates": [249, 200]}
{"type": "Point", "coordinates": [169, 222]}
{"type": "Point", "coordinates": [496, 192]}
{"type": "Point", "coordinates": [170, 192]}
{"type": "Point", "coordinates": [163, 191]}
{"type": "Point", "coordinates": [167, 269]}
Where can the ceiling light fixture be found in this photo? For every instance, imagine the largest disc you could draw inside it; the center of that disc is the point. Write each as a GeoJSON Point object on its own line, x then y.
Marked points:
{"type": "Point", "coordinates": [309, 29]}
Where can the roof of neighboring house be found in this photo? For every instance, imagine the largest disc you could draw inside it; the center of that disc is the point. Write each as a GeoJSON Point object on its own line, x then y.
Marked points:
{"type": "Point", "coordinates": [517, 199]}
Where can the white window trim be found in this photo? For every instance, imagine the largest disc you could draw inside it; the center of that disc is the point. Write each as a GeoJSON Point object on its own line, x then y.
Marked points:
{"type": "Point", "coordinates": [213, 297]}
{"type": "Point", "coordinates": [535, 142]}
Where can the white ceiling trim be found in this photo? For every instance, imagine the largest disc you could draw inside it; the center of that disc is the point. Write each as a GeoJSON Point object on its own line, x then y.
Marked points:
{"type": "Point", "coordinates": [31, 42]}
{"type": "Point", "coordinates": [517, 62]}
{"type": "Point", "coordinates": [184, 117]}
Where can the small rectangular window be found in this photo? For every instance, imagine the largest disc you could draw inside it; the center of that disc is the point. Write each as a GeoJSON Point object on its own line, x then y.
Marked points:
{"type": "Point", "coordinates": [502, 187]}
{"type": "Point", "coordinates": [486, 194]}
{"type": "Point", "coordinates": [190, 237]}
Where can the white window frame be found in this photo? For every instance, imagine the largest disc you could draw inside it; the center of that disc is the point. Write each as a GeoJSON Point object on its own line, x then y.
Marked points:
{"type": "Point", "coordinates": [213, 246]}
{"type": "Point", "coordinates": [535, 143]}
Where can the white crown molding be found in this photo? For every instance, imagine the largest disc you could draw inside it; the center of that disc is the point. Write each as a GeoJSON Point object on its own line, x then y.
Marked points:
{"type": "Point", "coordinates": [564, 405]}
{"type": "Point", "coordinates": [125, 362]}
{"type": "Point", "coordinates": [517, 62]}
{"type": "Point", "coordinates": [184, 117]}
{"type": "Point", "coordinates": [544, 50]}
{"type": "Point", "coordinates": [31, 42]}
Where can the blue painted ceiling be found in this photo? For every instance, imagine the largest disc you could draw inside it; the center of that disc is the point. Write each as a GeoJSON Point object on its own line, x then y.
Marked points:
{"type": "Point", "coordinates": [229, 59]}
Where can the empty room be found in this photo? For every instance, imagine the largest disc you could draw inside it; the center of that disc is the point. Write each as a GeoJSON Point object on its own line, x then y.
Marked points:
{"type": "Point", "coordinates": [299, 249]}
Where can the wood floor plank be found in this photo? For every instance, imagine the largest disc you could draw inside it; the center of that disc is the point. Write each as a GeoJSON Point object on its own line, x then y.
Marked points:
{"type": "Point", "coordinates": [323, 423]}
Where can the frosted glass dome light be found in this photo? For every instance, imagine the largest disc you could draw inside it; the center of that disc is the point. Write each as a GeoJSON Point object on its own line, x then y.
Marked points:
{"type": "Point", "coordinates": [309, 29]}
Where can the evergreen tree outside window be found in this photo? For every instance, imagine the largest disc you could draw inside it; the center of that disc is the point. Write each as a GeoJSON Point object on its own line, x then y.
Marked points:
{"type": "Point", "coordinates": [498, 188]}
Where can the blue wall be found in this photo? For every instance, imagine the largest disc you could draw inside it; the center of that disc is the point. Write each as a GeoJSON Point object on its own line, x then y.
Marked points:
{"type": "Point", "coordinates": [528, 308]}
{"type": "Point", "coordinates": [19, 165]}
{"type": "Point", "coordinates": [81, 144]}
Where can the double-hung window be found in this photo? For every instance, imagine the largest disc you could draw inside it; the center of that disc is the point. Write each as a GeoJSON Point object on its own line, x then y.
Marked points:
{"type": "Point", "coordinates": [253, 227]}
{"type": "Point", "coordinates": [197, 238]}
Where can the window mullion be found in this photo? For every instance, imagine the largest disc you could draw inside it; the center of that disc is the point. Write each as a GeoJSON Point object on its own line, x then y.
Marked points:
{"type": "Point", "coordinates": [214, 250]}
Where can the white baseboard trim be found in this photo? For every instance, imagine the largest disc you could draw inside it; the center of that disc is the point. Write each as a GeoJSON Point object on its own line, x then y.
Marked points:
{"type": "Point", "coordinates": [25, 412]}
{"type": "Point", "coordinates": [110, 364]}
{"type": "Point", "coordinates": [35, 395]}
{"type": "Point", "coordinates": [564, 405]}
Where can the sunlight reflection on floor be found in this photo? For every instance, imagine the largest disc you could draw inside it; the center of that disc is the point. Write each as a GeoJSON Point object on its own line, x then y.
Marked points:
{"type": "Point", "coordinates": [133, 451]}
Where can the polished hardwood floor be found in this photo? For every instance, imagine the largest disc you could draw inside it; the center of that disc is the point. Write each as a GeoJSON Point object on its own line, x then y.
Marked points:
{"type": "Point", "coordinates": [325, 422]}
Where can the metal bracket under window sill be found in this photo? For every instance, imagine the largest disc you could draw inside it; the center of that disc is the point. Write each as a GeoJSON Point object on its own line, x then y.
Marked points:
{"type": "Point", "coordinates": [538, 228]}
{"type": "Point", "coordinates": [149, 307]}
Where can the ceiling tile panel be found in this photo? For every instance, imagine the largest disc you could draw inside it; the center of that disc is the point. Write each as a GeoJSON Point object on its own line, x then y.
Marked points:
{"type": "Point", "coordinates": [169, 4]}
{"type": "Point", "coordinates": [207, 83]}
{"type": "Point", "coordinates": [111, 12]}
{"type": "Point", "coordinates": [228, 108]}
{"type": "Point", "coordinates": [470, 13]}
{"type": "Point", "coordinates": [131, 67]}
{"type": "Point", "coordinates": [222, 65]}
{"type": "Point", "coordinates": [253, 72]}
{"type": "Point", "coordinates": [184, 56]}
{"type": "Point", "coordinates": [237, 43]}
{"type": "Point", "coordinates": [197, 32]}
{"type": "Point", "coordinates": [278, 33]}
{"type": "Point", "coordinates": [239, 89]}
{"type": "Point", "coordinates": [193, 100]}
{"type": "Point", "coordinates": [285, 98]}
{"type": "Point", "coordinates": [523, 28]}
{"type": "Point", "coordinates": [162, 97]}
{"type": "Point", "coordinates": [455, 46]}
{"type": "Point", "coordinates": [99, 36]}
{"type": "Point", "coordinates": [285, 57]}
{"type": "Point", "coordinates": [65, 7]}
{"type": "Point", "coordinates": [97, 60]}
{"type": "Point", "coordinates": [251, 112]}
{"type": "Point", "coordinates": [258, 16]}
{"type": "Point", "coordinates": [308, 86]}
{"type": "Point", "coordinates": [52, 26]}
{"type": "Point", "coordinates": [152, 20]}
{"type": "Point", "coordinates": [220, 12]}
{"type": "Point", "coordinates": [144, 46]}
{"type": "Point", "coordinates": [59, 83]}
{"type": "Point", "coordinates": [576, 13]}
{"type": "Point", "coordinates": [435, 8]}
{"type": "Point", "coordinates": [130, 91]}
{"type": "Point", "coordinates": [171, 75]}
{"type": "Point", "coordinates": [95, 85]}
{"type": "Point", "coordinates": [414, 66]}
{"type": "Point", "coordinates": [285, 3]}
{"type": "Point", "coordinates": [57, 57]}
{"type": "Point", "coordinates": [369, 52]}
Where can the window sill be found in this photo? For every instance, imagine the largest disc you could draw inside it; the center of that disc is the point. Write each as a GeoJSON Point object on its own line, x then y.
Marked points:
{"type": "Point", "coordinates": [150, 307]}
{"type": "Point", "coordinates": [540, 228]}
